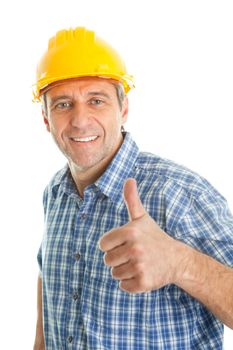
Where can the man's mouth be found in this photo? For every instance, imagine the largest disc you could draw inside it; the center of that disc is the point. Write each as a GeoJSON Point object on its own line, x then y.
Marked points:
{"type": "Point", "coordinates": [84, 139]}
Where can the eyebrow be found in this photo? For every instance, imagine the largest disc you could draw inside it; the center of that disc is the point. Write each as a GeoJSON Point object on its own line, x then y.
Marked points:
{"type": "Point", "coordinates": [57, 98]}
{"type": "Point", "coordinates": [98, 93]}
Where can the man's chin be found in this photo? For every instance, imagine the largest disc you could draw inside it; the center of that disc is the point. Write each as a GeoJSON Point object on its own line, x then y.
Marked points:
{"type": "Point", "coordinates": [94, 167]}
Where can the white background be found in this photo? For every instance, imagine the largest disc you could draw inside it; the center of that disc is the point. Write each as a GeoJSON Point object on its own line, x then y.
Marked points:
{"type": "Point", "coordinates": [181, 55]}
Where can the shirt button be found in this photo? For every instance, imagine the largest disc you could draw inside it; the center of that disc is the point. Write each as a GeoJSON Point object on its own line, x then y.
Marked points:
{"type": "Point", "coordinates": [70, 339]}
{"type": "Point", "coordinates": [75, 296]}
{"type": "Point", "coordinates": [83, 216]}
{"type": "Point", "coordinates": [95, 189]}
{"type": "Point", "coordinates": [77, 256]}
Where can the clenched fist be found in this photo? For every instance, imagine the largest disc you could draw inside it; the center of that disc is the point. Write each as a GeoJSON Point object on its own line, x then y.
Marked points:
{"type": "Point", "coordinates": [142, 256]}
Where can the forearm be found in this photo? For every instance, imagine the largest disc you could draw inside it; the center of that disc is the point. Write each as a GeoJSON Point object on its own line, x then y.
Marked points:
{"type": "Point", "coordinates": [39, 339]}
{"type": "Point", "coordinates": [208, 281]}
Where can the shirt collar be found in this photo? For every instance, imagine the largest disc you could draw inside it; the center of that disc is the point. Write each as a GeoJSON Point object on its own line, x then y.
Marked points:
{"type": "Point", "coordinates": [121, 167]}
{"type": "Point", "coordinates": [112, 180]}
{"type": "Point", "coordinates": [63, 182]}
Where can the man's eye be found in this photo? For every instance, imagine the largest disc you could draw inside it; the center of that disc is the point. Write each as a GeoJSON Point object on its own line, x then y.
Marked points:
{"type": "Point", "coordinates": [63, 105]}
{"type": "Point", "coordinates": [96, 101]}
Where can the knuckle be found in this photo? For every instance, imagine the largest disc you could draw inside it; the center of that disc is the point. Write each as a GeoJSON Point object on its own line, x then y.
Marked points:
{"type": "Point", "coordinates": [140, 274]}
{"type": "Point", "coordinates": [129, 287]}
{"type": "Point", "coordinates": [133, 233]}
{"type": "Point", "coordinates": [125, 286]}
{"type": "Point", "coordinates": [141, 282]}
{"type": "Point", "coordinates": [136, 250]}
{"type": "Point", "coordinates": [107, 259]}
{"type": "Point", "coordinates": [138, 268]}
{"type": "Point", "coordinates": [115, 272]}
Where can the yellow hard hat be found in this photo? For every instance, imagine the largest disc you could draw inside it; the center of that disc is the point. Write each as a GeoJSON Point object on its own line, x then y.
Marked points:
{"type": "Point", "coordinates": [77, 53]}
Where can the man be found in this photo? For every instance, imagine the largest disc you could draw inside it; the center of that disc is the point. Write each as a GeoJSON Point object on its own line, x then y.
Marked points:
{"type": "Point", "coordinates": [137, 251]}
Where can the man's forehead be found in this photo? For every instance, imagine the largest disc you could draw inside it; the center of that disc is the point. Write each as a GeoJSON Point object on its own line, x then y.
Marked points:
{"type": "Point", "coordinates": [85, 83]}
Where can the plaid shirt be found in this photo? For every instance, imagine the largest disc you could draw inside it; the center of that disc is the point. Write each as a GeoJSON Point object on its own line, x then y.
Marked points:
{"type": "Point", "coordinates": [83, 307]}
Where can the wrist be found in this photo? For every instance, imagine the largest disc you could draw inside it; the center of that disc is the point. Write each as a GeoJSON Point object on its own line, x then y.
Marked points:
{"type": "Point", "coordinates": [39, 339]}
{"type": "Point", "coordinates": [39, 344]}
{"type": "Point", "coordinates": [185, 260]}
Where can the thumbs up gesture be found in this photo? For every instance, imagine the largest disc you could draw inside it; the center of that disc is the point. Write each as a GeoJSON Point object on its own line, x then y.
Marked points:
{"type": "Point", "coordinates": [141, 255]}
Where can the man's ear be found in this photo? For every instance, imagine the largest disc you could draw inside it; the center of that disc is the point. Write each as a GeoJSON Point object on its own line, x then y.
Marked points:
{"type": "Point", "coordinates": [45, 119]}
{"type": "Point", "coordinates": [125, 110]}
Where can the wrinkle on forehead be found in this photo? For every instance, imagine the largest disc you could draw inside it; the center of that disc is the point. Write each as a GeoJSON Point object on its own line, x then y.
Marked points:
{"type": "Point", "coordinates": [81, 79]}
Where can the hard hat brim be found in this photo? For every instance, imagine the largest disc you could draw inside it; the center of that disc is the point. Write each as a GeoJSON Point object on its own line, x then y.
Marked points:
{"type": "Point", "coordinates": [41, 87]}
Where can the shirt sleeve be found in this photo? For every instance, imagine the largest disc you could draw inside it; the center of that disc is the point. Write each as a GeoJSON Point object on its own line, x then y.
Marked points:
{"type": "Point", "coordinates": [39, 254]}
{"type": "Point", "coordinates": [39, 260]}
{"type": "Point", "coordinates": [208, 226]}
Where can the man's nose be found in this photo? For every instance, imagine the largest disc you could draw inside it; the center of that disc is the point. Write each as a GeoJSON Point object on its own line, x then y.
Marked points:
{"type": "Point", "coordinates": [79, 117]}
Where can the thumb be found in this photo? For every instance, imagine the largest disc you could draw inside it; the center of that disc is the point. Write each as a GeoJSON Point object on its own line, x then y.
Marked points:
{"type": "Point", "coordinates": [132, 200]}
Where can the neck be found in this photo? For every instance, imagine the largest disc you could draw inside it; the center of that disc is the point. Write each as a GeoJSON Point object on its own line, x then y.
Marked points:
{"type": "Point", "coordinates": [84, 178]}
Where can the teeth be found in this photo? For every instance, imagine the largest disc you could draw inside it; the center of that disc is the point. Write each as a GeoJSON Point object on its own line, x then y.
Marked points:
{"type": "Point", "coordinates": [84, 139]}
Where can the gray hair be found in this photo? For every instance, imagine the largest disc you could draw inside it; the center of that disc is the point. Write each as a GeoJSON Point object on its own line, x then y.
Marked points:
{"type": "Point", "coordinates": [120, 94]}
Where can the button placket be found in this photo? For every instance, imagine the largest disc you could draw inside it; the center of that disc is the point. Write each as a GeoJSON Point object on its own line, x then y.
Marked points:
{"type": "Point", "coordinates": [78, 256]}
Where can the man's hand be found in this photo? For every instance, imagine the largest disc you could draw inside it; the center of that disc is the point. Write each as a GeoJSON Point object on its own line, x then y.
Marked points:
{"type": "Point", "coordinates": [142, 256]}
{"type": "Point", "coordinates": [39, 343]}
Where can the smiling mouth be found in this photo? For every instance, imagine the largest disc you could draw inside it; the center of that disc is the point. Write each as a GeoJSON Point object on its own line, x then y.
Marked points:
{"type": "Point", "coordinates": [84, 139]}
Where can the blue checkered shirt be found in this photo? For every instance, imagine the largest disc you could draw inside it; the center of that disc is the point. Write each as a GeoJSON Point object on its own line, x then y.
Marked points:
{"type": "Point", "coordinates": [83, 307]}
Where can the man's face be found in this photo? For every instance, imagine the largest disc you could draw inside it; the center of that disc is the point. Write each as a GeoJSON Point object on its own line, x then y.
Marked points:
{"type": "Point", "coordinates": [85, 119]}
